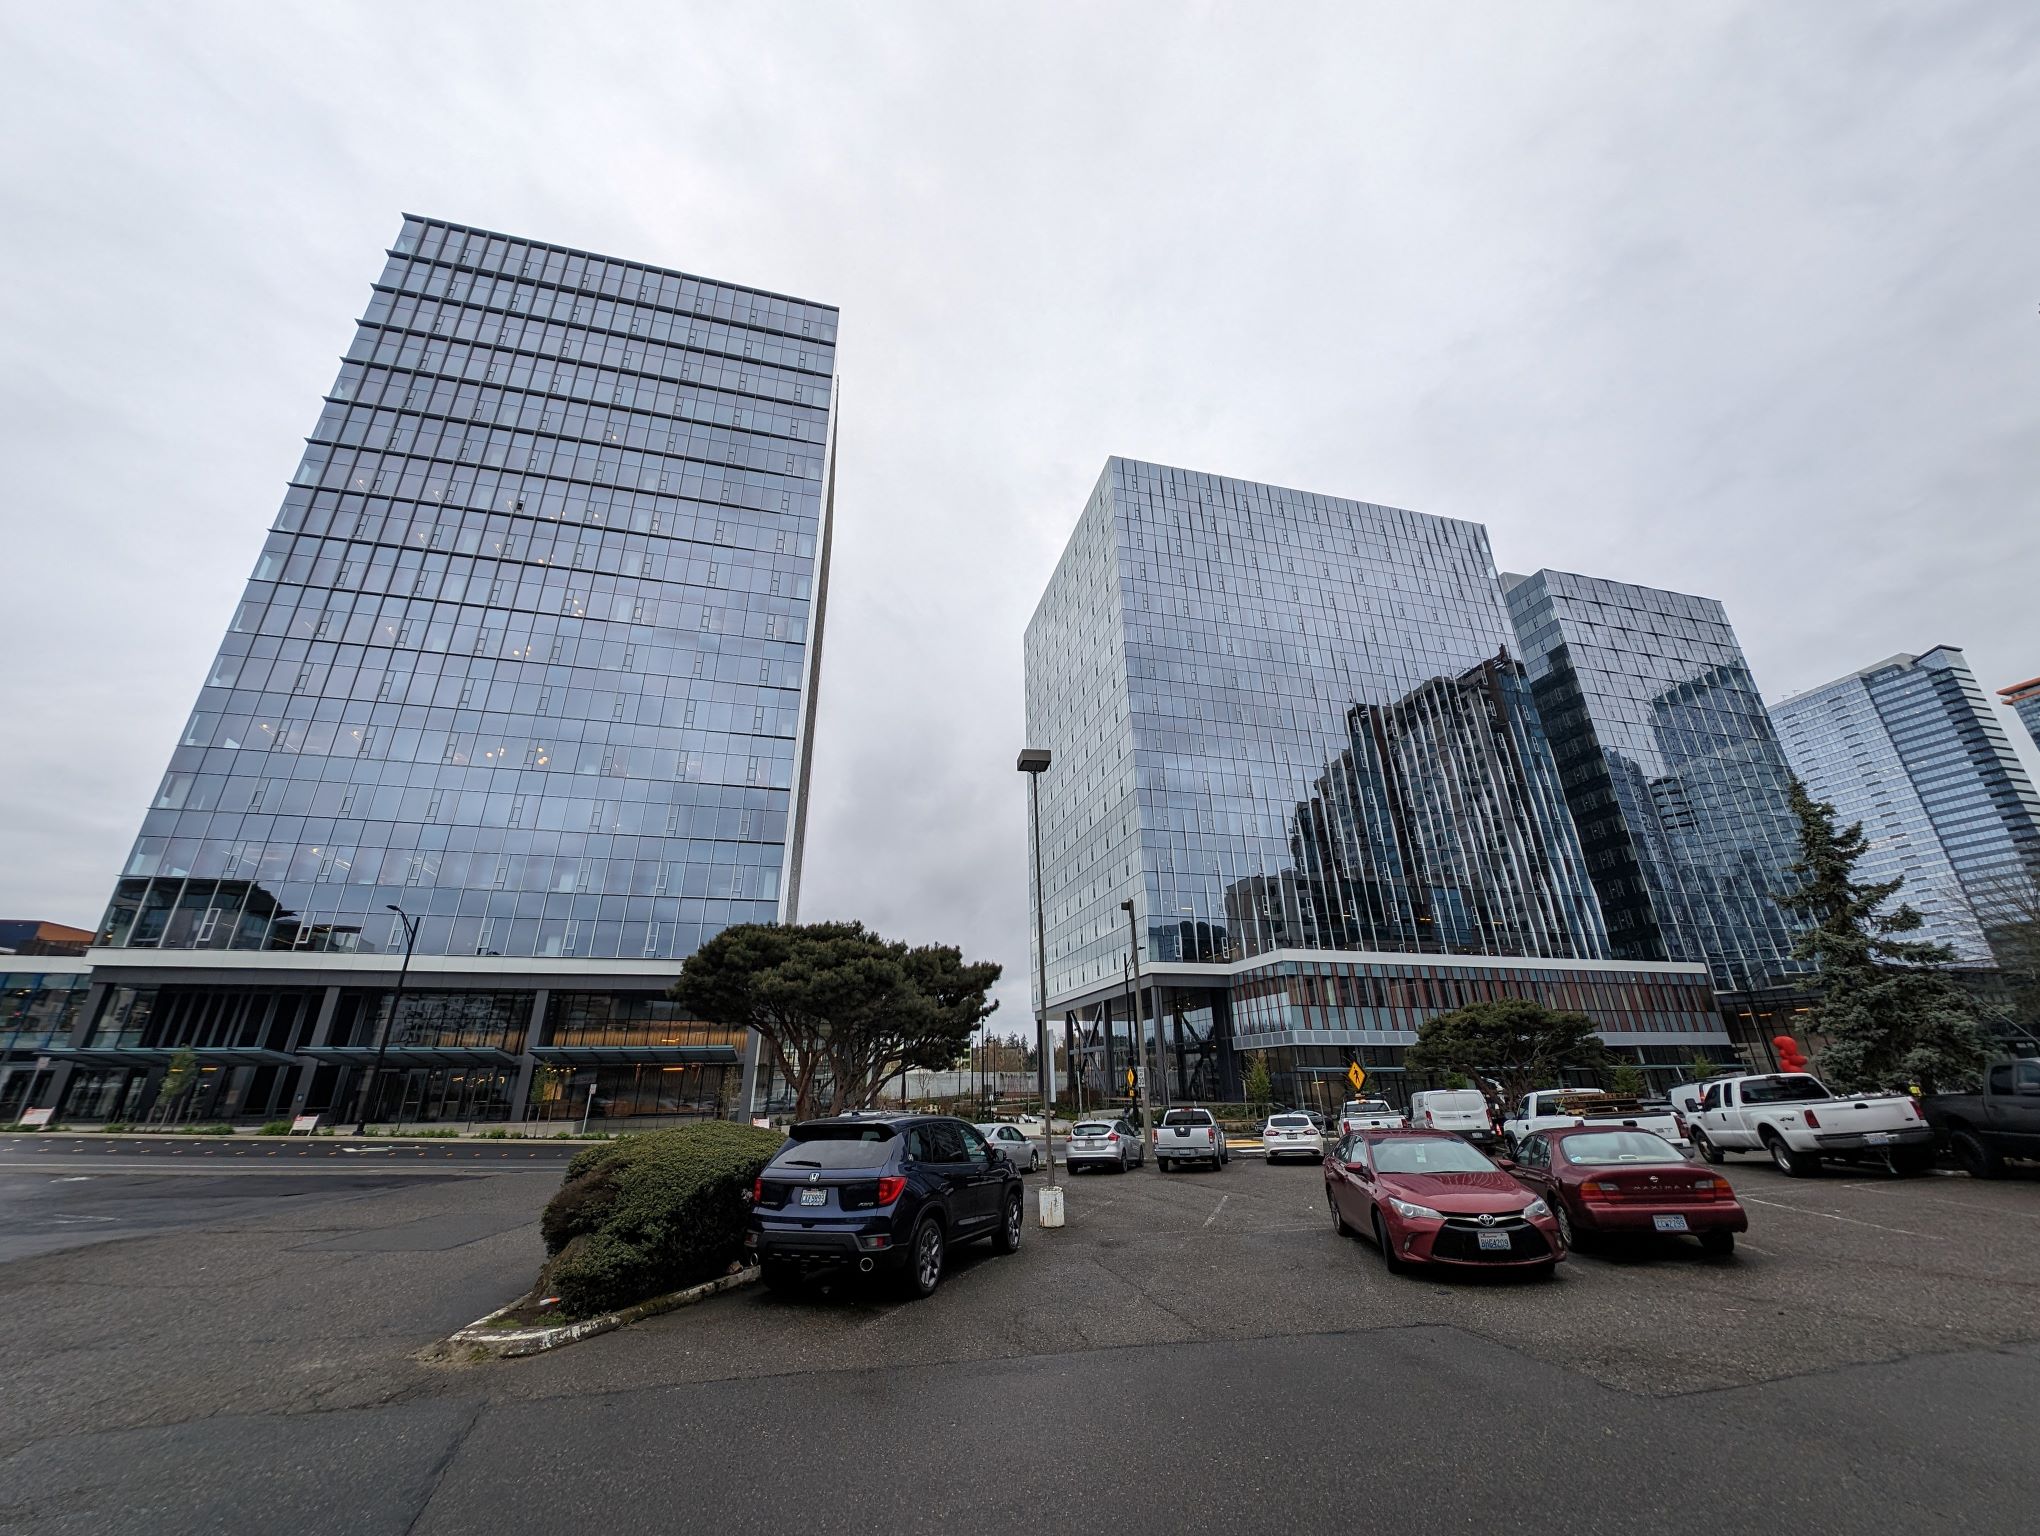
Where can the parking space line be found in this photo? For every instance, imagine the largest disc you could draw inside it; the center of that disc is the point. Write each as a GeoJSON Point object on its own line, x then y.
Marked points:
{"type": "Point", "coordinates": [1779, 1205]}
{"type": "Point", "coordinates": [1967, 1205]}
{"type": "Point", "coordinates": [1216, 1209]}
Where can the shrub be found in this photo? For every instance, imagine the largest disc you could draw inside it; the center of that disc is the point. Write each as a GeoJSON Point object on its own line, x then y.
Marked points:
{"type": "Point", "coordinates": [650, 1213]}
{"type": "Point", "coordinates": [273, 1128]}
{"type": "Point", "coordinates": [495, 1133]}
{"type": "Point", "coordinates": [201, 1130]}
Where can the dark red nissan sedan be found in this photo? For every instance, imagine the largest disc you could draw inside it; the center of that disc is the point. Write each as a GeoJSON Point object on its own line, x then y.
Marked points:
{"type": "Point", "coordinates": [1600, 1181]}
{"type": "Point", "coordinates": [1426, 1197]}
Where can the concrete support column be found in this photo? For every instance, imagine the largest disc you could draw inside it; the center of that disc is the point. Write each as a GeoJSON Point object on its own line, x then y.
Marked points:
{"type": "Point", "coordinates": [322, 1035]}
{"type": "Point", "coordinates": [747, 1088]}
{"type": "Point", "coordinates": [527, 1064]}
{"type": "Point", "coordinates": [81, 1032]}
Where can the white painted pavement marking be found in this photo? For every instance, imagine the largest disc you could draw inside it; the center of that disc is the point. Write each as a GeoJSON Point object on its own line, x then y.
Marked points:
{"type": "Point", "coordinates": [1216, 1209]}
{"type": "Point", "coordinates": [1779, 1205]}
{"type": "Point", "coordinates": [1940, 1200]}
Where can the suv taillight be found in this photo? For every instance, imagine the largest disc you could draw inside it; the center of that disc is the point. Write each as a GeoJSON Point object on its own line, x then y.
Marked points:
{"type": "Point", "coordinates": [890, 1188]}
{"type": "Point", "coordinates": [758, 1190]}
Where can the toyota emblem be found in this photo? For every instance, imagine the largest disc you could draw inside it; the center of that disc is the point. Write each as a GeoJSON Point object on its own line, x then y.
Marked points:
{"type": "Point", "coordinates": [1487, 1219]}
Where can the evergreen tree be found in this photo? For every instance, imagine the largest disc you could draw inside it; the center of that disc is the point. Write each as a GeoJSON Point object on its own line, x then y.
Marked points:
{"type": "Point", "coordinates": [1260, 1083]}
{"type": "Point", "coordinates": [1891, 1013]}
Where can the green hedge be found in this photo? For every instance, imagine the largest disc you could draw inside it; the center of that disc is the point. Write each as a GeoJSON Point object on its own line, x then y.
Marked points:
{"type": "Point", "coordinates": [646, 1214]}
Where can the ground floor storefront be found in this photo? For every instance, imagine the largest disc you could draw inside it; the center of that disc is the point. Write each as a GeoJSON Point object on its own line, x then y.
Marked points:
{"type": "Point", "coordinates": [1317, 1015]}
{"type": "Point", "coordinates": [460, 1045]}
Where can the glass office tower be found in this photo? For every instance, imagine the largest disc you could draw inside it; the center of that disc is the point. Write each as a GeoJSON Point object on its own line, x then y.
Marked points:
{"type": "Point", "coordinates": [2025, 701]}
{"type": "Point", "coordinates": [1911, 748]}
{"type": "Point", "coordinates": [530, 652]}
{"type": "Point", "coordinates": [1291, 729]}
{"type": "Point", "coordinates": [1673, 772]}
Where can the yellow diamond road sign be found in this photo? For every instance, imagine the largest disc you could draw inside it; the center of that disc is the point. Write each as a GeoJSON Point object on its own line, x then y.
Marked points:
{"type": "Point", "coordinates": [1357, 1076]}
{"type": "Point", "coordinates": [1131, 1080]}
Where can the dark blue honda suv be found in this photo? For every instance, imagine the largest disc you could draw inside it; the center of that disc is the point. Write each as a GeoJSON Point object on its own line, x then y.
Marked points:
{"type": "Point", "coordinates": [876, 1192]}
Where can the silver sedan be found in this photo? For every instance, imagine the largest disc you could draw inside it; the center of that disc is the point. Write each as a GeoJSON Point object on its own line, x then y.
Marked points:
{"type": "Point", "coordinates": [1021, 1152]}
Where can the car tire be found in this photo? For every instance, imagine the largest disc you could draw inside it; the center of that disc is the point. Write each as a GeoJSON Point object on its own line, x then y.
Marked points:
{"type": "Point", "coordinates": [1034, 1162]}
{"type": "Point", "coordinates": [1718, 1245]}
{"type": "Point", "coordinates": [1389, 1260]}
{"type": "Point", "coordinates": [1794, 1165]}
{"type": "Point", "coordinates": [923, 1272]}
{"type": "Point", "coordinates": [1709, 1152]}
{"type": "Point", "coordinates": [1546, 1271]}
{"type": "Point", "coordinates": [1566, 1232]}
{"type": "Point", "coordinates": [1339, 1223]}
{"type": "Point", "coordinates": [1979, 1159]}
{"type": "Point", "coordinates": [1012, 1222]}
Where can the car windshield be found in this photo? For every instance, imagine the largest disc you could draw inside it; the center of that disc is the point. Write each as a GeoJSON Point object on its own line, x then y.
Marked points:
{"type": "Point", "coordinates": [1605, 1147]}
{"type": "Point", "coordinates": [836, 1146]}
{"type": "Point", "coordinates": [1187, 1117]}
{"type": "Point", "coordinates": [1091, 1128]}
{"type": "Point", "coordinates": [1290, 1122]}
{"type": "Point", "coordinates": [1429, 1155]}
{"type": "Point", "coordinates": [1795, 1088]}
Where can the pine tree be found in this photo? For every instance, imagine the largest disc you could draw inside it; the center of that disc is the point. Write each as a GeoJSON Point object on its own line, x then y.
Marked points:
{"type": "Point", "coordinates": [1891, 1013]}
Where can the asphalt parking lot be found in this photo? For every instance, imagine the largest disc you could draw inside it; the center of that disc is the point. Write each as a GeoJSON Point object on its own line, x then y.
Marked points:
{"type": "Point", "coordinates": [1192, 1352]}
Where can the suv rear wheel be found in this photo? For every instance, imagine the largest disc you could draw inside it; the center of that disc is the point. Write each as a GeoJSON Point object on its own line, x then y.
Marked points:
{"type": "Point", "coordinates": [1011, 1224]}
{"type": "Point", "coordinates": [924, 1261]}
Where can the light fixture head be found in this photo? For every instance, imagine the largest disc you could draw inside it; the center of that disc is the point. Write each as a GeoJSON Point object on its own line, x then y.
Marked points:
{"type": "Point", "coordinates": [1033, 759]}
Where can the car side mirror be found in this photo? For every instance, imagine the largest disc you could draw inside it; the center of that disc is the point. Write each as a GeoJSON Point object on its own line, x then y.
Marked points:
{"type": "Point", "coordinates": [1506, 1164]}
{"type": "Point", "coordinates": [1360, 1171]}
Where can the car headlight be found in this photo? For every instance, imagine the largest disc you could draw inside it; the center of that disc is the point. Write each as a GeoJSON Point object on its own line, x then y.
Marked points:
{"type": "Point", "coordinates": [1536, 1208]}
{"type": "Point", "coordinates": [1412, 1212]}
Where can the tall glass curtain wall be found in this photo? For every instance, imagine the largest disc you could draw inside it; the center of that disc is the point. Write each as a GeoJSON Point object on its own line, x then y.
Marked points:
{"type": "Point", "coordinates": [523, 651]}
{"type": "Point", "coordinates": [1911, 749]}
{"type": "Point", "coordinates": [1675, 777]}
{"type": "Point", "coordinates": [1284, 719]}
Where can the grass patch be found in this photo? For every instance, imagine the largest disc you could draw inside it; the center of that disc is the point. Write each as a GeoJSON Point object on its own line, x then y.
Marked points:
{"type": "Point", "coordinates": [273, 1128]}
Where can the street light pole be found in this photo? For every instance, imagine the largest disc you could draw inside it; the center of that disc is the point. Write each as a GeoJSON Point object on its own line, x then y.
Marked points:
{"type": "Point", "coordinates": [1147, 1076]}
{"type": "Point", "coordinates": [1034, 762]}
{"type": "Point", "coordinates": [382, 1044]}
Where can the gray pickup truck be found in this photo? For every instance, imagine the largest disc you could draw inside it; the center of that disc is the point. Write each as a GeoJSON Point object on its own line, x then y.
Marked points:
{"type": "Point", "coordinates": [1190, 1136]}
{"type": "Point", "coordinates": [2001, 1121]}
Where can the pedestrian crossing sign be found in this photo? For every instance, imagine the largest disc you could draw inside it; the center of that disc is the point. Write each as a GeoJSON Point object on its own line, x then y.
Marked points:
{"type": "Point", "coordinates": [1132, 1082]}
{"type": "Point", "coordinates": [1357, 1076]}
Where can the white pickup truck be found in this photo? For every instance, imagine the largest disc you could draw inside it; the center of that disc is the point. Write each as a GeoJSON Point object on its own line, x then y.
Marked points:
{"type": "Point", "coordinates": [1370, 1115]}
{"type": "Point", "coordinates": [1791, 1117]}
{"type": "Point", "coordinates": [1190, 1136]}
{"type": "Point", "coordinates": [1549, 1108]}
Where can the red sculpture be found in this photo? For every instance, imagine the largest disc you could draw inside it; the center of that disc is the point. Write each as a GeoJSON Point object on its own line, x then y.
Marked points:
{"type": "Point", "coordinates": [1790, 1057]}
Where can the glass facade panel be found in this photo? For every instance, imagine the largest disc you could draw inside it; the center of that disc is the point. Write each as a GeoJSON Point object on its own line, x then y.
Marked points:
{"type": "Point", "coordinates": [1911, 748]}
{"type": "Point", "coordinates": [530, 646]}
{"type": "Point", "coordinates": [1673, 772]}
{"type": "Point", "coordinates": [1281, 719]}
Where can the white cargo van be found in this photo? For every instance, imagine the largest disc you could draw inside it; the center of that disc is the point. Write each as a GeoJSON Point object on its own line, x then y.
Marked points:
{"type": "Point", "coordinates": [1462, 1111]}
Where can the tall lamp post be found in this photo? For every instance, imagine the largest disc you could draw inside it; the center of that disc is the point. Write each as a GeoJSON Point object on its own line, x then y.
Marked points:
{"type": "Point", "coordinates": [382, 1044]}
{"type": "Point", "coordinates": [1034, 762]}
{"type": "Point", "coordinates": [1147, 1071]}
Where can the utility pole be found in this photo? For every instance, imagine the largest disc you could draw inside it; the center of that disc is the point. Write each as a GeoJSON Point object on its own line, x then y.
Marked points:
{"type": "Point", "coordinates": [1034, 762]}
{"type": "Point", "coordinates": [382, 1045]}
{"type": "Point", "coordinates": [1147, 1076]}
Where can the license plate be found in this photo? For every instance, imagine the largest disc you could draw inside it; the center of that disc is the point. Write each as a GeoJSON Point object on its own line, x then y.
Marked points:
{"type": "Point", "coordinates": [1088, 1146]}
{"type": "Point", "coordinates": [1670, 1223]}
{"type": "Point", "coordinates": [1498, 1241]}
{"type": "Point", "coordinates": [814, 1197]}
{"type": "Point", "coordinates": [1878, 1138]}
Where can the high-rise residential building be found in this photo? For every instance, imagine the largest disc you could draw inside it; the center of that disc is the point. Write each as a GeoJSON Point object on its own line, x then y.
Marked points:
{"type": "Point", "coordinates": [530, 652]}
{"type": "Point", "coordinates": [1674, 775]}
{"type": "Point", "coordinates": [1911, 748]}
{"type": "Point", "coordinates": [2025, 700]}
{"type": "Point", "coordinates": [1292, 731]}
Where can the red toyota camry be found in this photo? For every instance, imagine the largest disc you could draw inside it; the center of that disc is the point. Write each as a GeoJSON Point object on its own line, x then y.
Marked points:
{"type": "Point", "coordinates": [1429, 1198]}
{"type": "Point", "coordinates": [1600, 1180]}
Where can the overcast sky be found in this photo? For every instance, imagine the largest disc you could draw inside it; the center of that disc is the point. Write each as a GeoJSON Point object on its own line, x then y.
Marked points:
{"type": "Point", "coordinates": [1736, 298]}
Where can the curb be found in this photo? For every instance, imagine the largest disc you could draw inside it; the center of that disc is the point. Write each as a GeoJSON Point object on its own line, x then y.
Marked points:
{"type": "Point", "coordinates": [480, 1340]}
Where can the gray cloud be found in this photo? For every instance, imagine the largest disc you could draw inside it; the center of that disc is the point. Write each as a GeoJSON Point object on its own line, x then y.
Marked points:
{"type": "Point", "coordinates": [1731, 298]}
